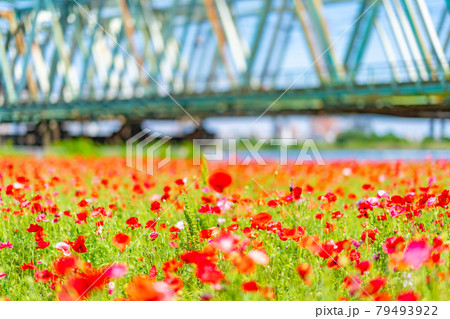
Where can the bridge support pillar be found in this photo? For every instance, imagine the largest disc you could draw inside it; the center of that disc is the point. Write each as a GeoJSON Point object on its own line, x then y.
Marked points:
{"type": "Point", "coordinates": [431, 134]}
{"type": "Point", "coordinates": [30, 136]}
{"type": "Point", "coordinates": [129, 128]}
{"type": "Point", "coordinates": [45, 133]}
{"type": "Point", "coordinates": [55, 131]}
{"type": "Point", "coordinates": [278, 123]}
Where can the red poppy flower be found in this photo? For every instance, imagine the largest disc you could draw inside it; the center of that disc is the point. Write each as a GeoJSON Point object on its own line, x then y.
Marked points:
{"type": "Point", "coordinates": [42, 244]}
{"type": "Point", "coordinates": [153, 272]}
{"type": "Point", "coordinates": [374, 286]}
{"type": "Point", "coordinates": [133, 222]}
{"type": "Point", "coordinates": [179, 182]}
{"type": "Point", "coordinates": [329, 227]}
{"type": "Point", "coordinates": [155, 206]}
{"type": "Point", "coordinates": [26, 266]}
{"type": "Point", "coordinates": [171, 266]}
{"type": "Point", "coordinates": [206, 233]}
{"type": "Point", "coordinates": [206, 297]}
{"type": "Point", "coordinates": [363, 266]}
{"type": "Point", "coordinates": [397, 200]}
{"type": "Point", "coordinates": [326, 250]}
{"type": "Point", "coordinates": [83, 203]}
{"type": "Point", "coordinates": [382, 296]}
{"type": "Point", "coordinates": [408, 296]}
{"type": "Point", "coordinates": [272, 203]}
{"type": "Point", "coordinates": [34, 228]}
{"type": "Point", "coordinates": [65, 265]}
{"type": "Point", "coordinates": [39, 236]}
{"type": "Point", "coordinates": [369, 234]}
{"type": "Point", "coordinates": [319, 216]}
{"type": "Point", "coordinates": [297, 193]}
{"type": "Point", "coordinates": [335, 262]}
{"type": "Point", "coordinates": [250, 286]}
{"type": "Point", "coordinates": [81, 218]}
{"type": "Point", "coordinates": [233, 227]}
{"type": "Point", "coordinates": [219, 180]}
{"type": "Point", "coordinates": [174, 229]}
{"type": "Point", "coordinates": [337, 215]}
{"type": "Point", "coordinates": [208, 273]}
{"type": "Point", "coordinates": [352, 284]}
{"type": "Point", "coordinates": [44, 276]}
{"type": "Point", "coordinates": [151, 224]}
{"type": "Point", "coordinates": [87, 279]}
{"type": "Point", "coordinates": [393, 244]}
{"type": "Point", "coordinates": [330, 197]}
{"type": "Point", "coordinates": [121, 241]}
{"type": "Point", "coordinates": [79, 245]}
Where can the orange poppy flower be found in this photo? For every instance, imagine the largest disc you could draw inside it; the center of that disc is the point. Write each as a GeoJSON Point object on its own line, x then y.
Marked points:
{"type": "Point", "coordinates": [261, 220]}
{"type": "Point", "coordinates": [304, 270]}
{"type": "Point", "coordinates": [145, 289]}
{"type": "Point", "coordinates": [121, 241]}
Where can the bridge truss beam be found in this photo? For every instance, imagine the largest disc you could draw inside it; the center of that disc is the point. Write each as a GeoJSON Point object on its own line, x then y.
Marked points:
{"type": "Point", "coordinates": [70, 59]}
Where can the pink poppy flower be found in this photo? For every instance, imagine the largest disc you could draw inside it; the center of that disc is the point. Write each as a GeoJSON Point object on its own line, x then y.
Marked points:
{"type": "Point", "coordinates": [41, 218]}
{"type": "Point", "coordinates": [116, 271]}
{"type": "Point", "coordinates": [382, 194]}
{"type": "Point", "coordinates": [153, 235]}
{"type": "Point", "coordinates": [111, 287]}
{"type": "Point", "coordinates": [5, 245]}
{"type": "Point", "coordinates": [373, 201]}
{"type": "Point", "coordinates": [396, 210]}
{"type": "Point", "coordinates": [416, 253]}
{"type": "Point", "coordinates": [224, 204]}
{"type": "Point", "coordinates": [431, 201]}
{"type": "Point", "coordinates": [259, 257]}
{"type": "Point", "coordinates": [64, 247]}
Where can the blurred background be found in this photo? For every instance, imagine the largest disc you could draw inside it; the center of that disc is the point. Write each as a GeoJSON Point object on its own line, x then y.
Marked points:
{"type": "Point", "coordinates": [363, 78]}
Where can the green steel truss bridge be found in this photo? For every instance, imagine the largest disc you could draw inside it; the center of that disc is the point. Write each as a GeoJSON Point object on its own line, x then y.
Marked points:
{"type": "Point", "coordinates": [79, 60]}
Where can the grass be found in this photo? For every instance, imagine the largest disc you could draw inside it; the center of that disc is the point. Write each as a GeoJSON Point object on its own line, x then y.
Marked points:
{"type": "Point", "coordinates": [62, 182]}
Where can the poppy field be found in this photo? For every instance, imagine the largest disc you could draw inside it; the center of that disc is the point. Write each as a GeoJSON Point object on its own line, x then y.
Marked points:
{"type": "Point", "coordinates": [77, 228]}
